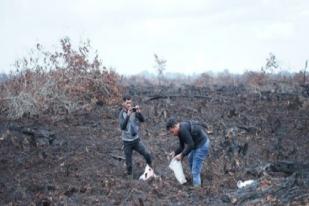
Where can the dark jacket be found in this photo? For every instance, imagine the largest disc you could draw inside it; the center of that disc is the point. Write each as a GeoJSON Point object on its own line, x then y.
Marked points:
{"type": "Point", "coordinates": [191, 136]}
{"type": "Point", "coordinates": [129, 125]}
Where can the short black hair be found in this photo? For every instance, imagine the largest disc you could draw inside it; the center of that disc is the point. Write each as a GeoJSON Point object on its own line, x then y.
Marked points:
{"type": "Point", "coordinates": [126, 97]}
{"type": "Point", "coordinates": [170, 123]}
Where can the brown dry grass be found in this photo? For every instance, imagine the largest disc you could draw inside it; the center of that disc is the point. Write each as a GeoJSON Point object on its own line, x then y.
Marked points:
{"type": "Point", "coordinates": [58, 83]}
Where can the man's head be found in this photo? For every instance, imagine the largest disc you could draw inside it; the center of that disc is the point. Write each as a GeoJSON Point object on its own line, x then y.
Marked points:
{"type": "Point", "coordinates": [172, 126]}
{"type": "Point", "coordinates": [127, 102]}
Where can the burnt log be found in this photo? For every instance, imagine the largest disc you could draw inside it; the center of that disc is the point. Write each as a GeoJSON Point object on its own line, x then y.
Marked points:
{"type": "Point", "coordinates": [176, 96]}
{"type": "Point", "coordinates": [282, 190]}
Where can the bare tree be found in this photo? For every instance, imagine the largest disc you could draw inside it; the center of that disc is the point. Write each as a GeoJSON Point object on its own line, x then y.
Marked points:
{"type": "Point", "coordinates": [306, 65]}
{"type": "Point", "coordinates": [160, 67]}
{"type": "Point", "coordinates": [271, 64]}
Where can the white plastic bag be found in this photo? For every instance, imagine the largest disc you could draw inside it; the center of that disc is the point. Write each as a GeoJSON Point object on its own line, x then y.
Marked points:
{"type": "Point", "coordinates": [242, 184]}
{"type": "Point", "coordinates": [148, 173]}
{"type": "Point", "coordinates": [176, 166]}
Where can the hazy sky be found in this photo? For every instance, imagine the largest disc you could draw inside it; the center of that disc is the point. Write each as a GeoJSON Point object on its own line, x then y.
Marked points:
{"type": "Point", "coordinates": [193, 36]}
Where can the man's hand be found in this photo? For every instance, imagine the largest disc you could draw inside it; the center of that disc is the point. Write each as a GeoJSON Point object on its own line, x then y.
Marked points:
{"type": "Point", "coordinates": [178, 157]}
{"type": "Point", "coordinates": [172, 154]}
{"type": "Point", "coordinates": [138, 109]}
{"type": "Point", "coordinates": [129, 112]}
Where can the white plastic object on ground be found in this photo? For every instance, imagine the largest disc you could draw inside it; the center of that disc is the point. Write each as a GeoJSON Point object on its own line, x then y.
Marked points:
{"type": "Point", "coordinates": [176, 166]}
{"type": "Point", "coordinates": [242, 184]}
{"type": "Point", "coordinates": [148, 173]}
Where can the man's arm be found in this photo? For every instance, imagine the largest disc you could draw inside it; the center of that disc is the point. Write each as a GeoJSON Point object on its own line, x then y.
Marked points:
{"type": "Point", "coordinates": [180, 148]}
{"type": "Point", "coordinates": [123, 121]}
{"type": "Point", "coordinates": [140, 117]}
{"type": "Point", "coordinates": [188, 141]}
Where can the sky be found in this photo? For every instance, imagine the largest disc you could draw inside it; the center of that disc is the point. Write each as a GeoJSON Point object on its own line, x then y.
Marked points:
{"type": "Point", "coordinates": [193, 36]}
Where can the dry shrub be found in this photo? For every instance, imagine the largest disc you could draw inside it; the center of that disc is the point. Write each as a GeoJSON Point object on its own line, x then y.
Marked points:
{"type": "Point", "coordinates": [255, 79]}
{"type": "Point", "coordinates": [58, 83]}
{"type": "Point", "coordinates": [301, 77]}
{"type": "Point", "coordinates": [204, 80]}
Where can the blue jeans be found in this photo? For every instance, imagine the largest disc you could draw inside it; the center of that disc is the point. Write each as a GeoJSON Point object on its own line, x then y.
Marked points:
{"type": "Point", "coordinates": [196, 158]}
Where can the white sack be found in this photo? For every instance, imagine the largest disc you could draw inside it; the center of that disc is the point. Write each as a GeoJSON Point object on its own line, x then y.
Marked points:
{"type": "Point", "coordinates": [148, 173]}
{"type": "Point", "coordinates": [176, 166]}
{"type": "Point", "coordinates": [242, 184]}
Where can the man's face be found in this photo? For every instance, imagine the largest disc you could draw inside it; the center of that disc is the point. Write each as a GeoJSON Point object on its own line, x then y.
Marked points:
{"type": "Point", "coordinates": [174, 131]}
{"type": "Point", "coordinates": [127, 104]}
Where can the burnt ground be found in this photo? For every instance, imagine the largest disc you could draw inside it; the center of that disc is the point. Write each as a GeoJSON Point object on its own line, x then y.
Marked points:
{"type": "Point", "coordinates": [77, 159]}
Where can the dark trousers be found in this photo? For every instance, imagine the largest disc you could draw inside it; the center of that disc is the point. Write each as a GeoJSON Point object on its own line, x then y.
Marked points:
{"type": "Point", "coordinates": [138, 146]}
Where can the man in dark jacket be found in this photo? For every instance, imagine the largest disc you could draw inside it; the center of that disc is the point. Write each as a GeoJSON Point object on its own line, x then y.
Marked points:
{"type": "Point", "coordinates": [129, 119]}
{"type": "Point", "coordinates": [194, 143]}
